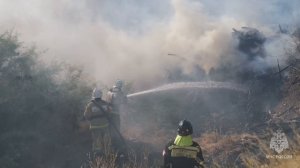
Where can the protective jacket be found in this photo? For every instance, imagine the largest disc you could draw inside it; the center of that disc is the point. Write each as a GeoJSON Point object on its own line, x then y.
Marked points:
{"type": "Point", "coordinates": [116, 97]}
{"type": "Point", "coordinates": [183, 152]}
{"type": "Point", "coordinates": [96, 116]}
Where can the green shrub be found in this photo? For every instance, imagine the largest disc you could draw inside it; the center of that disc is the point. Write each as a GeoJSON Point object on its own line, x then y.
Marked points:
{"type": "Point", "coordinates": [38, 112]}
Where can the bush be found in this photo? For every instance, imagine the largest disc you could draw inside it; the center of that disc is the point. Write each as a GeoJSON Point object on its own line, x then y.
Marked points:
{"type": "Point", "coordinates": [38, 112]}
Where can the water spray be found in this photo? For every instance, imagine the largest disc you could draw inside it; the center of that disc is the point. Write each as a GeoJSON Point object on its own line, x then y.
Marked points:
{"type": "Point", "coordinates": [207, 85]}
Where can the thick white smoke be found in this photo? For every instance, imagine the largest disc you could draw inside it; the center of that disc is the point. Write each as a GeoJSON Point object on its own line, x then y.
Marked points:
{"type": "Point", "coordinates": [132, 40]}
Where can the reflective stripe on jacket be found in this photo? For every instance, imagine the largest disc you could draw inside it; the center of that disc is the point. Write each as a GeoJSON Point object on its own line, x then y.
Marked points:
{"type": "Point", "coordinates": [180, 151]}
{"type": "Point", "coordinates": [184, 156]}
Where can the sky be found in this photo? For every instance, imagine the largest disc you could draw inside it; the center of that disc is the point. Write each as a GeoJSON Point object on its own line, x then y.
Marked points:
{"type": "Point", "coordinates": [131, 39]}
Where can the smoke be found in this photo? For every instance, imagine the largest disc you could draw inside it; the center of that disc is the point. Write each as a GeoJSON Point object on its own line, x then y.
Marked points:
{"type": "Point", "coordinates": [148, 43]}
{"type": "Point", "coordinates": [131, 40]}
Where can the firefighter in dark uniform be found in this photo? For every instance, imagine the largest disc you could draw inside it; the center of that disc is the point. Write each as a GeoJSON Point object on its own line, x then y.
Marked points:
{"type": "Point", "coordinates": [183, 152]}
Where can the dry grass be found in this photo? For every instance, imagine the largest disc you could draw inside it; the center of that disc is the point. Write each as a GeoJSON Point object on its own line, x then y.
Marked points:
{"type": "Point", "coordinates": [133, 161]}
{"type": "Point", "coordinates": [244, 150]}
{"type": "Point", "coordinates": [138, 156]}
{"type": "Point", "coordinates": [248, 150]}
{"type": "Point", "coordinates": [230, 150]}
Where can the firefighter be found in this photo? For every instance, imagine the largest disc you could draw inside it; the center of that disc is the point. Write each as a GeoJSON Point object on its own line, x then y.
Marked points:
{"type": "Point", "coordinates": [99, 123]}
{"type": "Point", "coordinates": [116, 98]}
{"type": "Point", "coordinates": [183, 152]}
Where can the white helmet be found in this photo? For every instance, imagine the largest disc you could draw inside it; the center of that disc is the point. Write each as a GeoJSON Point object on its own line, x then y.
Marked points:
{"type": "Point", "coordinates": [119, 84]}
{"type": "Point", "coordinates": [97, 93]}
